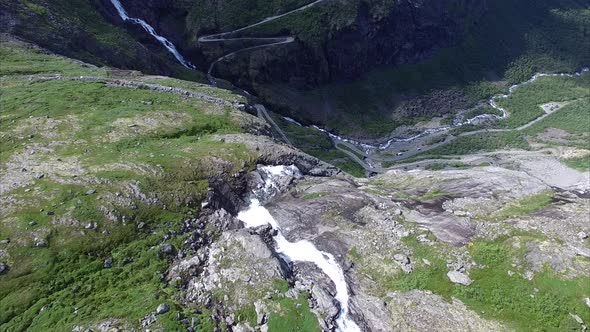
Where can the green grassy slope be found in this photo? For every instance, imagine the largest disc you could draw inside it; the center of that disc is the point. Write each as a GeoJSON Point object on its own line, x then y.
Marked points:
{"type": "Point", "coordinates": [91, 171]}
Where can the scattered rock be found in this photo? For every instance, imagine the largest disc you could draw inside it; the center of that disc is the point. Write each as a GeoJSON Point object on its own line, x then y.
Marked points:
{"type": "Point", "coordinates": [242, 327]}
{"type": "Point", "coordinates": [168, 250]}
{"type": "Point", "coordinates": [423, 238]}
{"type": "Point", "coordinates": [577, 318]}
{"type": "Point", "coordinates": [40, 243]}
{"type": "Point", "coordinates": [292, 293]}
{"type": "Point", "coordinates": [401, 258]}
{"type": "Point", "coordinates": [398, 212]}
{"type": "Point", "coordinates": [91, 192]}
{"type": "Point", "coordinates": [108, 263]}
{"type": "Point", "coordinates": [149, 320]}
{"type": "Point", "coordinates": [32, 223]}
{"type": "Point", "coordinates": [141, 225]}
{"type": "Point", "coordinates": [528, 275]}
{"type": "Point", "coordinates": [459, 278]}
{"type": "Point", "coordinates": [260, 313]}
{"type": "Point", "coordinates": [40, 176]}
{"type": "Point", "coordinates": [5, 241]}
{"type": "Point", "coordinates": [230, 319]}
{"type": "Point", "coordinates": [426, 261]}
{"type": "Point", "coordinates": [162, 308]}
{"type": "Point", "coordinates": [582, 235]}
{"type": "Point", "coordinates": [3, 268]}
{"type": "Point", "coordinates": [587, 300]}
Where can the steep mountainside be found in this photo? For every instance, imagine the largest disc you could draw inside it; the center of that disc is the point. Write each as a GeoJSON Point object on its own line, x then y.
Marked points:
{"type": "Point", "coordinates": [363, 68]}
{"type": "Point", "coordinates": [335, 39]}
{"type": "Point", "coordinates": [82, 29]}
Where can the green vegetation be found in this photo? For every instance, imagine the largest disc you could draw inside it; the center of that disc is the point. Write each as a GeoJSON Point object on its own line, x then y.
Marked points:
{"type": "Point", "coordinates": [579, 163]}
{"type": "Point", "coordinates": [480, 143]}
{"type": "Point", "coordinates": [524, 103]}
{"type": "Point", "coordinates": [495, 294]}
{"type": "Point", "coordinates": [524, 206]}
{"type": "Point", "coordinates": [315, 195]}
{"type": "Point", "coordinates": [247, 314]}
{"type": "Point", "coordinates": [441, 166]}
{"type": "Point", "coordinates": [107, 173]}
{"type": "Point", "coordinates": [319, 145]}
{"type": "Point", "coordinates": [293, 315]}
{"type": "Point", "coordinates": [573, 119]}
{"type": "Point", "coordinates": [431, 277]}
{"type": "Point", "coordinates": [28, 61]}
{"type": "Point", "coordinates": [344, 147]}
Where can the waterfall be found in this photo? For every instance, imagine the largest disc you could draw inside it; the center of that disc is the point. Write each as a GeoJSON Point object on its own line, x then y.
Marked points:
{"type": "Point", "coordinates": [165, 42]}
{"type": "Point", "coordinates": [300, 251]}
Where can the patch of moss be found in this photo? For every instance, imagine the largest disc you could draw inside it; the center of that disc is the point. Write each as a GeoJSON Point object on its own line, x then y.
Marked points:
{"type": "Point", "coordinates": [525, 206]}
{"type": "Point", "coordinates": [315, 195]}
{"type": "Point", "coordinates": [293, 315]}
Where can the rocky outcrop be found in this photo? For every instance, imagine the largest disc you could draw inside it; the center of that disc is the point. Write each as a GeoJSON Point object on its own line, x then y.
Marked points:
{"type": "Point", "coordinates": [270, 152]}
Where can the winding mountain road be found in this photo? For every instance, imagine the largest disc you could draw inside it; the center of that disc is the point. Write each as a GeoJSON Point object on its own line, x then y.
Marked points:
{"type": "Point", "coordinates": [447, 140]}
{"type": "Point", "coordinates": [262, 113]}
{"type": "Point", "coordinates": [230, 36]}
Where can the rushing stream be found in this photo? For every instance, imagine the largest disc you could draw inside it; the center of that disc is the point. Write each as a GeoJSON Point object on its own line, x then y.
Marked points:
{"type": "Point", "coordinates": [301, 251]}
{"type": "Point", "coordinates": [165, 42]}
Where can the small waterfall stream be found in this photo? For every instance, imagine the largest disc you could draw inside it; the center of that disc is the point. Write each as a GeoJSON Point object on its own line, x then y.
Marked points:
{"type": "Point", "coordinates": [165, 42]}
{"type": "Point", "coordinates": [301, 251]}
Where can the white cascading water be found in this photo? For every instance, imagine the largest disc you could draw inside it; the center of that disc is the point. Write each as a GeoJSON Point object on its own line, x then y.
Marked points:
{"type": "Point", "coordinates": [301, 251]}
{"type": "Point", "coordinates": [167, 44]}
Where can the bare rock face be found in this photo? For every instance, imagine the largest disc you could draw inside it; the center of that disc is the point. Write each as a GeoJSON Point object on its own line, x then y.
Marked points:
{"type": "Point", "coordinates": [237, 263]}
